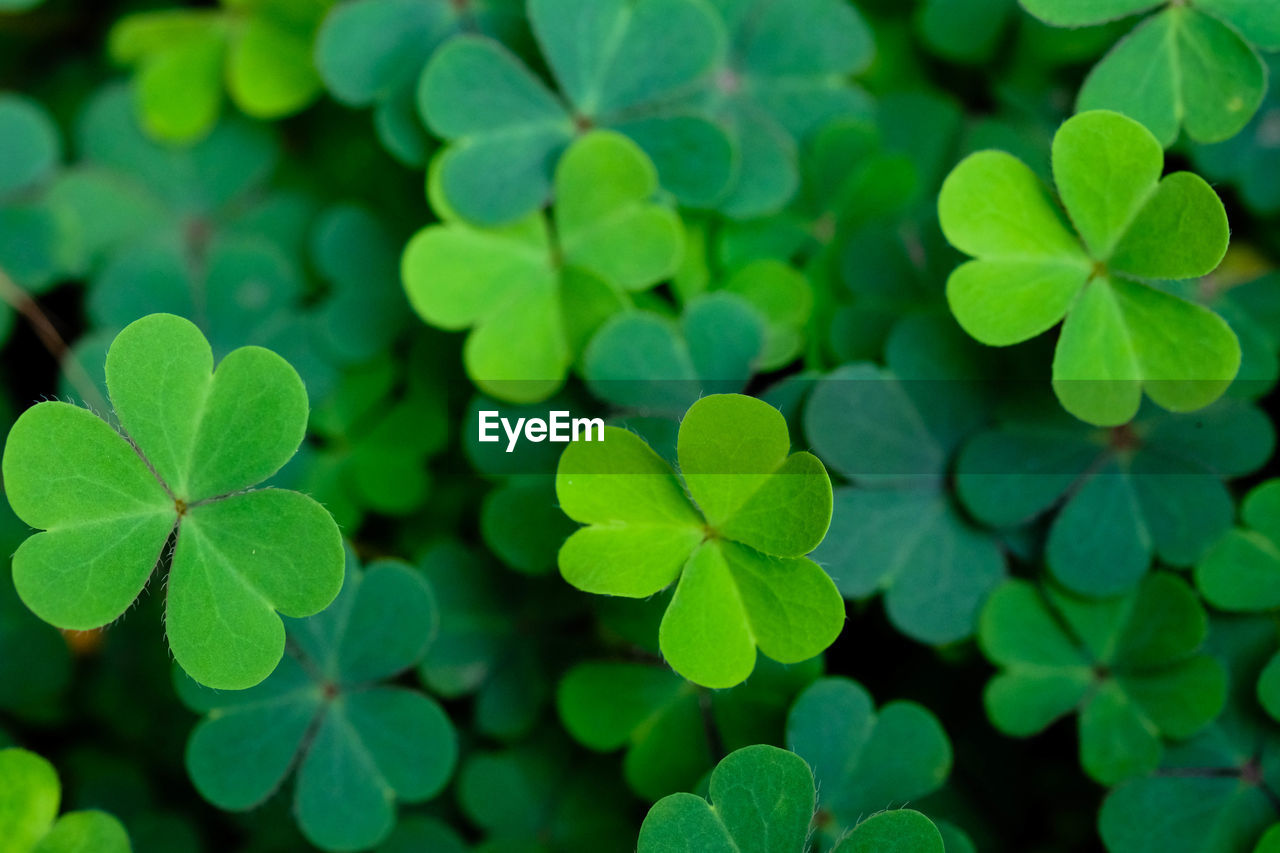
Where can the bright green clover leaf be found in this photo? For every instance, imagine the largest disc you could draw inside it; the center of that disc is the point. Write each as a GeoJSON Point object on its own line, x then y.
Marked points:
{"type": "Point", "coordinates": [29, 822]}
{"type": "Point", "coordinates": [195, 441]}
{"type": "Point", "coordinates": [901, 831]}
{"type": "Point", "coordinates": [1194, 65]}
{"type": "Point", "coordinates": [540, 798]}
{"type": "Point", "coordinates": [762, 801]}
{"type": "Point", "coordinates": [259, 49]}
{"type": "Point", "coordinates": [481, 649]}
{"type": "Point", "coordinates": [1129, 666]}
{"type": "Point", "coordinates": [865, 760]}
{"type": "Point", "coordinates": [737, 549]}
{"type": "Point", "coordinates": [1122, 334]}
{"type": "Point", "coordinates": [497, 168]}
{"type": "Point", "coordinates": [532, 295]}
{"type": "Point", "coordinates": [662, 720]}
{"type": "Point", "coordinates": [371, 52]}
{"type": "Point", "coordinates": [1249, 159]}
{"type": "Point", "coordinates": [893, 433]}
{"type": "Point", "coordinates": [360, 745]}
{"type": "Point", "coordinates": [32, 238]}
{"type": "Point", "coordinates": [1158, 481]}
{"type": "Point", "coordinates": [641, 360]}
{"type": "Point", "coordinates": [787, 72]}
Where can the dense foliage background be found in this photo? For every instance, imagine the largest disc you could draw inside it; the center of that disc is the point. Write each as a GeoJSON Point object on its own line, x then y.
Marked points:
{"type": "Point", "coordinates": [1061, 594]}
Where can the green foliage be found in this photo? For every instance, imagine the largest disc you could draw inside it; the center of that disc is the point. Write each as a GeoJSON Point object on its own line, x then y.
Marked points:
{"type": "Point", "coordinates": [32, 248]}
{"type": "Point", "coordinates": [194, 441]}
{"type": "Point", "coordinates": [29, 798]}
{"type": "Point", "coordinates": [1129, 666]}
{"type": "Point", "coordinates": [259, 49]}
{"type": "Point", "coordinates": [359, 743]}
{"type": "Point", "coordinates": [1121, 334]}
{"type": "Point", "coordinates": [1161, 486]}
{"type": "Point", "coordinates": [1193, 66]}
{"type": "Point", "coordinates": [744, 582]}
{"type": "Point", "coordinates": [532, 295]}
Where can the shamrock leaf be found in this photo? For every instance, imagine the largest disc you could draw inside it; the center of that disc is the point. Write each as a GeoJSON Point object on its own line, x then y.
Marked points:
{"type": "Point", "coordinates": [29, 822]}
{"type": "Point", "coordinates": [497, 168]}
{"type": "Point", "coordinates": [865, 761]}
{"type": "Point", "coordinates": [194, 442]}
{"type": "Point", "coordinates": [786, 74]}
{"type": "Point", "coordinates": [762, 799]}
{"type": "Point", "coordinates": [32, 237]}
{"type": "Point", "coordinates": [663, 720]}
{"type": "Point", "coordinates": [372, 52]}
{"type": "Point", "coordinates": [1130, 666]}
{"type": "Point", "coordinates": [901, 831]}
{"type": "Point", "coordinates": [744, 582]}
{"type": "Point", "coordinates": [532, 296]}
{"type": "Point", "coordinates": [1159, 483]}
{"type": "Point", "coordinates": [359, 744]}
{"type": "Point", "coordinates": [537, 798]}
{"type": "Point", "coordinates": [1194, 65]}
{"type": "Point", "coordinates": [1122, 334]}
{"type": "Point", "coordinates": [260, 48]}
{"type": "Point", "coordinates": [641, 360]}
{"type": "Point", "coordinates": [893, 433]}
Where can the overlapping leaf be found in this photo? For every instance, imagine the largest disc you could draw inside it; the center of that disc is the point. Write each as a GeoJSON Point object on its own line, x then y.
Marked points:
{"type": "Point", "coordinates": [359, 743]}
{"type": "Point", "coordinates": [195, 442]}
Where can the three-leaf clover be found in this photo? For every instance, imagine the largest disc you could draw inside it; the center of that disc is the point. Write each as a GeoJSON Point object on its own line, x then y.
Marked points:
{"type": "Point", "coordinates": [532, 295]}
{"type": "Point", "coordinates": [1130, 666]}
{"type": "Point", "coordinates": [735, 541]}
{"type": "Point", "coordinates": [29, 822]}
{"type": "Point", "coordinates": [633, 66]}
{"type": "Point", "coordinates": [359, 744]}
{"type": "Point", "coordinates": [193, 443]}
{"type": "Point", "coordinates": [1122, 333]}
{"type": "Point", "coordinates": [1194, 65]}
{"type": "Point", "coordinates": [260, 50]}
{"type": "Point", "coordinates": [893, 433]}
{"type": "Point", "coordinates": [865, 760]}
{"type": "Point", "coordinates": [1158, 482]}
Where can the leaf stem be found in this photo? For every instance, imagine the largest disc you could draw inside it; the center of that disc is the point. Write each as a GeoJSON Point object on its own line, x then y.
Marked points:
{"type": "Point", "coordinates": [26, 305]}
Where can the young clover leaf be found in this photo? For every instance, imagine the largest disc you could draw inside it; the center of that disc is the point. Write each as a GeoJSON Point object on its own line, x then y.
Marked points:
{"type": "Point", "coordinates": [29, 822]}
{"type": "Point", "coordinates": [639, 77]}
{"type": "Point", "coordinates": [737, 548]}
{"type": "Point", "coordinates": [787, 72]}
{"type": "Point", "coordinates": [893, 433]}
{"type": "Point", "coordinates": [1130, 666]}
{"type": "Point", "coordinates": [641, 360]}
{"type": "Point", "coordinates": [259, 49]}
{"type": "Point", "coordinates": [1194, 65]}
{"type": "Point", "coordinates": [865, 760]}
{"type": "Point", "coordinates": [32, 239]}
{"type": "Point", "coordinates": [665, 722]}
{"type": "Point", "coordinates": [538, 797]}
{"type": "Point", "coordinates": [1159, 482]}
{"type": "Point", "coordinates": [762, 801]}
{"type": "Point", "coordinates": [532, 296]}
{"type": "Point", "coordinates": [194, 443]}
{"type": "Point", "coordinates": [372, 52]}
{"type": "Point", "coordinates": [359, 744]}
{"type": "Point", "coordinates": [1122, 334]}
